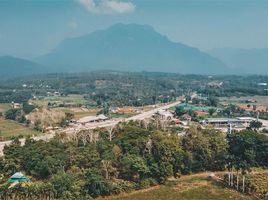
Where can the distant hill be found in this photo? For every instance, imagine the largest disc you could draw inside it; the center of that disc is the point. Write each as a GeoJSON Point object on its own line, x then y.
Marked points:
{"type": "Point", "coordinates": [12, 66]}
{"type": "Point", "coordinates": [243, 61]}
{"type": "Point", "coordinates": [130, 47]}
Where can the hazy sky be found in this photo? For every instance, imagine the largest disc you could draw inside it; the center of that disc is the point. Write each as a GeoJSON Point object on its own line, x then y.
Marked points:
{"type": "Point", "coordinates": [33, 27]}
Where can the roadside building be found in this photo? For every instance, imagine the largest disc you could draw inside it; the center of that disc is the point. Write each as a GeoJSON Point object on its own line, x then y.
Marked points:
{"type": "Point", "coordinates": [126, 110]}
{"type": "Point", "coordinates": [164, 115]}
{"type": "Point", "coordinates": [92, 119]}
{"type": "Point", "coordinates": [226, 121]}
{"type": "Point", "coordinates": [113, 109]}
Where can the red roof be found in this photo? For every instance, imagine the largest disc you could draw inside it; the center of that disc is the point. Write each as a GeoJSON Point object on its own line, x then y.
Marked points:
{"type": "Point", "coordinates": [126, 110]}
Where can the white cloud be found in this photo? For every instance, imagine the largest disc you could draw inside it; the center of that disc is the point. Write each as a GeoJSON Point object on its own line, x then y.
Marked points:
{"type": "Point", "coordinates": [108, 6]}
{"type": "Point", "coordinates": [72, 24]}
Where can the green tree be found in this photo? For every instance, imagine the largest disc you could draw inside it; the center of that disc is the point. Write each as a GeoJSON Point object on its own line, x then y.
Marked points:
{"type": "Point", "coordinates": [61, 183]}
{"type": "Point", "coordinates": [255, 125]}
{"type": "Point", "coordinates": [179, 111]}
{"type": "Point", "coordinates": [27, 108]}
{"type": "Point", "coordinates": [95, 184]}
{"type": "Point", "coordinates": [133, 167]}
{"type": "Point", "coordinates": [13, 114]}
{"type": "Point", "coordinates": [211, 111]}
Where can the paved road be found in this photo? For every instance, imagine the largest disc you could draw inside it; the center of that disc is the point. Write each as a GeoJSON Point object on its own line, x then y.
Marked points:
{"type": "Point", "coordinates": [141, 116]}
{"type": "Point", "coordinates": [149, 113]}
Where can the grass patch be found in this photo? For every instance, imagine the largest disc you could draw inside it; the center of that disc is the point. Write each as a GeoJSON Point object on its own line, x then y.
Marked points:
{"type": "Point", "coordinates": [9, 129]}
{"type": "Point", "coordinates": [188, 188]}
{"type": "Point", "coordinates": [122, 115]}
{"type": "Point", "coordinates": [4, 107]}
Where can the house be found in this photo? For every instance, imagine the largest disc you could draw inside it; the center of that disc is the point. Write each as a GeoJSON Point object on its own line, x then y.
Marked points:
{"type": "Point", "coordinates": [17, 177]}
{"type": "Point", "coordinates": [15, 105]}
{"type": "Point", "coordinates": [186, 117]}
{"type": "Point", "coordinates": [57, 94]}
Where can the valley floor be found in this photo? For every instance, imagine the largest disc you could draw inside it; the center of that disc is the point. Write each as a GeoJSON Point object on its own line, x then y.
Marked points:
{"type": "Point", "coordinates": [194, 187]}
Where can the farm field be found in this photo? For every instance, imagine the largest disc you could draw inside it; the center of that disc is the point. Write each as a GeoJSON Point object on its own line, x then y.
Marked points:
{"type": "Point", "coordinates": [195, 187]}
{"type": "Point", "coordinates": [260, 100]}
{"type": "Point", "coordinates": [9, 129]}
{"type": "Point", "coordinates": [71, 99]}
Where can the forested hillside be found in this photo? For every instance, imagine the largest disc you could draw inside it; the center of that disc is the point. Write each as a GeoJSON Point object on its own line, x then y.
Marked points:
{"type": "Point", "coordinates": [135, 157]}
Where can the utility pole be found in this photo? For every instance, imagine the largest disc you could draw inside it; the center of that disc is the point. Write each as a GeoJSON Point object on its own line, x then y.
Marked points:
{"type": "Point", "coordinates": [230, 128]}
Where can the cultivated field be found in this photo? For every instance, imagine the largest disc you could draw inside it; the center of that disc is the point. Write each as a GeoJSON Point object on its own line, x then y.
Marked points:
{"type": "Point", "coordinates": [72, 100]}
{"type": "Point", "coordinates": [196, 187]}
{"type": "Point", "coordinates": [260, 100]}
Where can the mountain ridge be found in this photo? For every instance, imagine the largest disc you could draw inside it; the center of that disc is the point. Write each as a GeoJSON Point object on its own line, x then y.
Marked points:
{"type": "Point", "coordinates": [130, 47]}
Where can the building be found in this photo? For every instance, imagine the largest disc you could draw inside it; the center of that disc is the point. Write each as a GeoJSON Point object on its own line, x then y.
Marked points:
{"type": "Point", "coordinates": [186, 117]}
{"type": "Point", "coordinates": [163, 114]}
{"type": "Point", "coordinates": [15, 105]}
{"type": "Point", "coordinates": [92, 119]}
{"type": "Point", "coordinates": [227, 121]}
{"type": "Point", "coordinates": [126, 110]}
{"type": "Point", "coordinates": [201, 113]}
{"type": "Point", "coordinates": [17, 177]}
{"type": "Point", "coordinates": [113, 109]}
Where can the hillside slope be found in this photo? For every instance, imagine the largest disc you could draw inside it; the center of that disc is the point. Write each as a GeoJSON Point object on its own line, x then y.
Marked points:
{"type": "Point", "coordinates": [12, 66]}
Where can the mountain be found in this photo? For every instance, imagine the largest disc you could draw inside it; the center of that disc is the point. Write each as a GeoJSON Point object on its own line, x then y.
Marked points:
{"type": "Point", "coordinates": [12, 66]}
{"type": "Point", "coordinates": [130, 47]}
{"type": "Point", "coordinates": [247, 61]}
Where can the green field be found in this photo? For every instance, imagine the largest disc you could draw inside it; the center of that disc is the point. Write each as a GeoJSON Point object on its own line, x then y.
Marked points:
{"type": "Point", "coordinates": [71, 100]}
{"type": "Point", "coordinates": [196, 187]}
{"type": "Point", "coordinates": [9, 129]}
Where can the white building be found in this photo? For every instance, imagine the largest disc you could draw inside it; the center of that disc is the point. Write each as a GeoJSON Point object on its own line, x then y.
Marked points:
{"type": "Point", "coordinates": [92, 119]}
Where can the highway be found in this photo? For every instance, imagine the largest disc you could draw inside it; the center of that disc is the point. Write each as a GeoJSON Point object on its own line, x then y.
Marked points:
{"type": "Point", "coordinates": [113, 122]}
{"type": "Point", "coordinates": [149, 113]}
